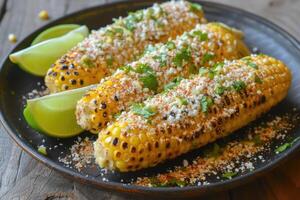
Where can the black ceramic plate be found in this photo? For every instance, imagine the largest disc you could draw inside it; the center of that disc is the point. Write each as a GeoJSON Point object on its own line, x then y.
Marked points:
{"type": "Point", "coordinates": [260, 33]}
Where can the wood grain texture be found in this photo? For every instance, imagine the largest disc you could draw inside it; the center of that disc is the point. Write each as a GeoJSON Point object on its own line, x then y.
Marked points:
{"type": "Point", "coordinates": [21, 177]}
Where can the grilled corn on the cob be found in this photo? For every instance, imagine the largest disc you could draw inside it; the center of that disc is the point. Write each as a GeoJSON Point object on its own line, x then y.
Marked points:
{"type": "Point", "coordinates": [203, 46]}
{"type": "Point", "coordinates": [196, 112]}
{"type": "Point", "coordinates": [114, 45]}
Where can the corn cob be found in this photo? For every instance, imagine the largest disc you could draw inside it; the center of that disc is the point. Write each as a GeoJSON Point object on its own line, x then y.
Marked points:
{"type": "Point", "coordinates": [115, 45]}
{"type": "Point", "coordinates": [203, 46]}
{"type": "Point", "coordinates": [198, 111]}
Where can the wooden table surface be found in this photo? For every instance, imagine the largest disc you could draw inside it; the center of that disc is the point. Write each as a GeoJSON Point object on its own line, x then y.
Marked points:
{"type": "Point", "coordinates": [21, 177]}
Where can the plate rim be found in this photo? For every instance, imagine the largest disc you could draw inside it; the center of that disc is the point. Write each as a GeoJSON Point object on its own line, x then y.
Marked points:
{"type": "Point", "coordinates": [218, 186]}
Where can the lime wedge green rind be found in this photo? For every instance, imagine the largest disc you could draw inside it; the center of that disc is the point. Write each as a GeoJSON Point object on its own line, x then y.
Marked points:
{"type": "Point", "coordinates": [29, 119]}
{"type": "Point", "coordinates": [54, 32]}
{"type": "Point", "coordinates": [54, 115]}
{"type": "Point", "coordinates": [38, 59]}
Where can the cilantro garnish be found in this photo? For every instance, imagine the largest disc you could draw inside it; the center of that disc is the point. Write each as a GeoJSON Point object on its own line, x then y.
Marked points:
{"type": "Point", "coordinates": [182, 100]}
{"type": "Point", "coordinates": [183, 55]}
{"type": "Point", "coordinates": [207, 57]}
{"type": "Point", "coordinates": [171, 45]}
{"type": "Point", "coordinates": [109, 61]}
{"type": "Point", "coordinates": [150, 81]}
{"type": "Point", "coordinates": [141, 109]}
{"type": "Point", "coordinates": [172, 84]}
{"type": "Point", "coordinates": [215, 151]}
{"type": "Point", "coordinates": [239, 85]}
{"type": "Point", "coordinates": [201, 35]}
{"type": "Point", "coordinates": [286, 145]}
{"type": "Point", "coordinates": [229, 175]}
{"type": "Point", "coordinates": [195, 7]}
{"type": "Point", "coordinates": [162, 59]}
{"type": "Point", "coordinates": [257, 79]}
{"type": "Point", "coordinates": [220, 89]}
{"type": "Point", "coordinates": [206, 103]}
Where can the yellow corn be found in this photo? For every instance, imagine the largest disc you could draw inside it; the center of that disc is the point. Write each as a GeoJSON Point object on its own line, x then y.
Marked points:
{"type": "Point", "coordinates": [203, 46]}
{"type": "Point", "coordinates": [198, 111]}
{"type": "Point", "coordinates": [115, 45]}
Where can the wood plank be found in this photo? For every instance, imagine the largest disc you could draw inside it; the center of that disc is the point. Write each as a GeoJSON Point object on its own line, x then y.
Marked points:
{"type": "Point", "coordinates": [21, 177]}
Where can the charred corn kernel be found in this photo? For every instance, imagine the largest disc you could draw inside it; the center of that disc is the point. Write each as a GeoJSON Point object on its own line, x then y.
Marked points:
{"type": "Point", "coordinates": [115, 45]}
{"type": "Point", "coordinates": [176, 128]}
{"type": "Point", "coordinates": [203, 46]}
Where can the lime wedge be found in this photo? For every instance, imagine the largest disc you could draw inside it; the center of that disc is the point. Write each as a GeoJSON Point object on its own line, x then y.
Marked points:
{"type": "Point", "coordinates": [54, 32]}
{"type": "Point", "coordinates": [54, 115]}
{"type": "Point", "coordinates": [38, 59]}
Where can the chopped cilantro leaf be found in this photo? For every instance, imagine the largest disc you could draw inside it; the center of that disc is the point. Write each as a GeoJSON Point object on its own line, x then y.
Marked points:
{"type": "Point", "coordinates": [172, 84]}
{"type": "Point", "coordinates": [202, 36]}
{"type": "Point", "coordinates": [126, 68]}
{"type": "Point", "coordinates": [257, 79]}
{"type": "Point", "coordinates": [143, 68]}
{"type": "Point", "coordinates": [253, 65]}
{"type": "Point", "coordinates": [220, 89]}
{"type": "Point", "coordinates": [214, 151]}
{"type": "Point", "coordinates": [239, 85]}
{"type": "Point", "coordinates": [206, 103]}
{"type": "Point", "coordinates": [109, 61]}
{"type": "Point", "coordinates": [207, 57]}
{"type": "Point", "coordinates": [229, 175]}
{"type": "Point", "coordinates": [86, 61]}
{"type": "Point", "coordinates": [256, 139]}
{"type": "Point", "coordinates": [141, 109]}
{"type": "Point", "coordinates": [150, 81]}
{"type": "Point", "coordinates": [286, 145]}
{"type": "Point", "coordinates": [162, 59]}
{"type": "Point", "coordinates": [203, 71]}
{"type": "Point", "coordinates": [182, 100]}
{"type": "Point", "coordinates": [195, 7]}
{"type": "Point", "coordinates": [183, 55]}
{"type": "Point", "coordinates": [171, 45]}
{"type": "Point", "coordinates": [192, 69]}
{"type": "Point", "coordinates": [42, 149]}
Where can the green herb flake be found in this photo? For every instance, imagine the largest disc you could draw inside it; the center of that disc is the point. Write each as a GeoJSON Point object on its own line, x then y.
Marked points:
{"type": "Point", "coordinates": [182, 101]}
{"type": "Point", "coordinates": [286, 146]}
{"type": "Point", "coordinates": [202, 36]}
{"type": "Point", "coordinates": [183, 55]}
{"type": "Point", "coordinates": [253, 65]}
{"type": "Point", "coordinates": [145, 111]}
{"type": "Point", "coordinates": [126, 68]}
{"type": "Point", "coordinates": [117, 115]}
{"type": "Point", "coordinates": [170, 45]}
{"type": "Point", "coordinates": [257, 79]}
{"type": "Point", "coordinates": [86, 61]}
{"type": "Point", "coordinates": [175, 182]}
{"type": "Point", "coordinates": [192, 69]}
{"type": "Point", "coordinates": [220, 90]}
{"type": "Point", "coordinates": [172, 84]}
{"type": "Point", "coordinates": [194, 7]}
{"type": "Point", "coordinates": [256, 140]}
{"type": "Point", "coordinates": [150, 81]}
{"type": "Point", "coordinates": [162, 59]}
{"type": "Point", "coordinates": [203, 71]}
{"type": "Point", "coordinates": [214, 152]}
{"type": "Point", "coordinates": [207, 57]}
{"type": "Point", "coordinates": [42, 150]}
{"type": "Point", "coordinates": [229, 175]}
{"type": "Point", "coordinates": [206, 103]}
{"type": "Point", "coordinates": [143, 68]}
{"type": "Point", "coordinates": [109, 61]}
{"type": "Point", "coordinates": [239, 85]}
